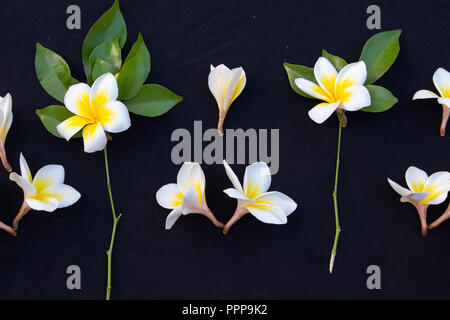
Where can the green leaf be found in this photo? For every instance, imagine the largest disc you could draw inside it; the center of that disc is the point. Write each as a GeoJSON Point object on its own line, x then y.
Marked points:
{"type": "Point", "coordinates": [379, 53]}
{"type": "Point", "coordinates": [295, 71]}
{"type": "Point", "coordinates": [101, 67]}
{"type": "Point", "coordinates": [336, 61]}
{"type": "Point", "coordinates": [153, 100]}
{"type": "Point", "coordinates": [52, 72]}
{"type": "Point", "coordinates": [107, 51]}
{"type": "Point", "coordinates": [382, 99]}
{"type": "Point", "coordinates": [51, 116]}
{"type": "Point", "coordinates": [109, 26]}
{"type": "Point", "coordinates": [135, 70]}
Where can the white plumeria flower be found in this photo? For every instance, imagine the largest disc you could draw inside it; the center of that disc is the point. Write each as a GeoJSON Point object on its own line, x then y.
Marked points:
{"type": "Point", "coordinates": [423, 191]}
{"type": "Point", "coordinates": [441, 80]}
{"type": "Point", "coordinates": [96, 110]}
{"type": "Point", "coordinates": [45, 192]}
{"type": "Point", "coordinates": [6, 118]}
{"type": "Point", "coordinates": [269, 207]}
{"type": "Point", "coordinates": [225, 85]}
{"type": "Point", "coordinates": [186, 196]}
{"type": "Point", "coordinates": [340, 91]}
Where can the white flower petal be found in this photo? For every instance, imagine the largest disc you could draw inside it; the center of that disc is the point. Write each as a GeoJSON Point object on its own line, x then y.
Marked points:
{"type": "Point", "coordinates": [312, 89]}
{"type": "Point", "coordinates": [48, 204]}
{"type": "Point", "coordinates": [267, 213]}
{"type": "Point", "coordinates": [77, 100]}
{"type": "Point", "coordinates": [28, 189]}
{"type": "Point", "coordinates": [415, 178]}
{"type": "Point", "coordinates": [326, 75]}
{"type": "Point", "coordinates": [217, 81]}
{"type": "Point", "coordinates": [233, 178]}
{"type": "Point", "coordinates": [355, 98]}
{"type": "Point", "coordinates": [94, 138]}
{"type": "Point", "coordinates": [48, 175]}
{"type": "Point", "coordinates": [277, 199]}
{"type": "Point", "coordinates": [444, 101]}
{"type": "Point", "coordinates": [350, 75]}
{"type": "Point", "coordinates": [425, 94]}
{"type": "Point", "coordinates": [399, 189]}
{"type": "Point", "coordinates": [169, 196]}
{"type": "Point", "coordinates": [257, 179]}
{"type": "Point", "coordinates": [173, 217]}
{"type": "Point", "coordinates": [6, 116]}
{"type": "Point", "coordinates": [71, 126]}
{"type": "Point", "coordinates": [184, 175]}
{"type": "Point", "coordinates": [415, 198]}
{"type": "Point", "coordinates": [236, 194]}
{"type": "Point", "coordinates": [240, 84]}
{"type": "Point", "coordinates": [191, 174]}
{"type": "Point", "coordinates": [441, 80]}
{"type": "Point", "coordinates": [24, 169]}
{"type": "Point", "coordinates": [438, 185]}
{"type": "Point", "coordinates": [114, 117]}
{"type": "Point", "coordinates": [191, 203]}
{"type": "Point", "coordinates": [104, 90]}
{"type": "Point", "coordinates": [66, 195]}
{"type": "Point", "coordinates": [323, 111]}
{"type": "Point", "coordinates": [231, 90]}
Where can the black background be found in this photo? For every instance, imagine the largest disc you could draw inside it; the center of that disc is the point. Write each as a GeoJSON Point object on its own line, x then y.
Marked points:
{"type": "Point", "coordinates": [255, 261]}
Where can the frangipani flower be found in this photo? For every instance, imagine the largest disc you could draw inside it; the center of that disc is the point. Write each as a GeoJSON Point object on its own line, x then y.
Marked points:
{"type": "Point", "coordinates": [340, 91]}
{"type": "Point", "coordinates": [423, 191]}
{"type": "Point", "coordinates": [96, 110]}
{"type": "Point", "coordinates": [186, 196]}
{"type": "Point", "coordinates": [269, 207]}
{"type": "Point", "coordinates": [6, 118]}
{"type": "Point", "coordinates": [225, 85]}
{"type": "Point", "coordinates": [45, 192]}
{"type": "Point", "coordinates": [441, 80]}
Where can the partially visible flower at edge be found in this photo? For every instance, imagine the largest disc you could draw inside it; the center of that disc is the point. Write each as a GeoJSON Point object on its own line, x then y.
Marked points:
{"type": "Point", "coordinates": [6, 118]}
{"type": "Point", "coordinates": [269, 207]}
{"type": "Point", "coordinates": [423, 191]}
{"type": "Point", "coordinates": [186, 196]}
{"type": "Point", "coordinates": [45, 192]}
{"type": "Point", "coordinates": [225, 85]}
{"type": "Point", "coordinates": [96, 111]}
{"type": "Point", "coordinates": [441, 80]}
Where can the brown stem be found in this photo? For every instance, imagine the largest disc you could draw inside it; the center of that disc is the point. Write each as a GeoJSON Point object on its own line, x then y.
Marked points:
{"type": "Point", "coordinates": [442, 218]}
{"type": "Point", "coordinates": [422, 211]}
{"type": "Point", "coordinates": [8, 229]}
{"type": "Point", "coordinates": [22, 212]}
{"type": "Point", "coordinates": [445, 115]}
{"type": "Point", "coordinates": [213, 219]}
{"type": "Point", "coordinates": [220, 123]}
{"type": "Point", "coordinates": [239, 213]}
{"type": "Point", "coordinates": [341, 114]}
{"type": "Point", "coordinates": [4, 159]}
{"type": "Point", "coordinates": [108, 137]}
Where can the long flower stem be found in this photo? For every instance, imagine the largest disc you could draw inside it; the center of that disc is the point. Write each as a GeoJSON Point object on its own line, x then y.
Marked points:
{"type": "Point", "coordinates": [336, 216]}
{"type": "Point", "coordinates": [116, 219]}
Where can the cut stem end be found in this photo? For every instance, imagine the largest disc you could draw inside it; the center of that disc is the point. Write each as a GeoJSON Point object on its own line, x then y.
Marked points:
{"type": "Point", "coordinates": [22, 212]}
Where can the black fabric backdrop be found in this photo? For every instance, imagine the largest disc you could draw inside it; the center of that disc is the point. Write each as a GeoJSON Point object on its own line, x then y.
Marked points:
{"type": "Point", "coordinates": [194, 260]}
